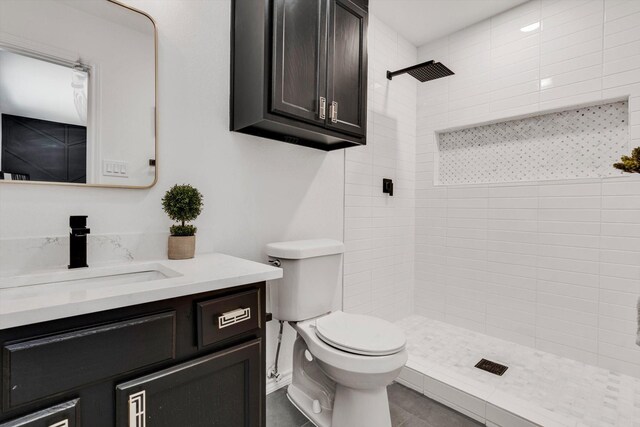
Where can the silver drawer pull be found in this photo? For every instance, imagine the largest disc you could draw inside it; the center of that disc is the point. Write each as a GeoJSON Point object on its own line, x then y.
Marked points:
{"type": "Point", "coordinates": [232, 317]}
{"type": "Point", "coordinates": [64, 423]}
{"type": "Point", "coordinates": [137, 406]}
{"type": "Point", "coordinates": [333, 112]}
{"type": "Point", "coordinates": [323, 107]}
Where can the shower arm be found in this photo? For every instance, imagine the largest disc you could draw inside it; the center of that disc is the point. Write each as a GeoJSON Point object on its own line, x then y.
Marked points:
{"type": "Point", "coordinates": [391, 75]}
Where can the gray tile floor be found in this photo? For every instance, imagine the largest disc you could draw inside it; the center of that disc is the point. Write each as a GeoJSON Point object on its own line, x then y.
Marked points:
{"type": "Point", "coordinates": [408, 409]}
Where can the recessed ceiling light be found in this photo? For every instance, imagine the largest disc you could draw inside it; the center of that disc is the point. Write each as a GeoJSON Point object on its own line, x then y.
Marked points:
{"type": "Point", "coordinates": [531, 27]}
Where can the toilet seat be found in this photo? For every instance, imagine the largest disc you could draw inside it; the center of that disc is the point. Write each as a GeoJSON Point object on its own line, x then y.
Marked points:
{"type": "Point", "coordinates": [347, 360]}
{"type": "Point", "coordinates": [360, 334]}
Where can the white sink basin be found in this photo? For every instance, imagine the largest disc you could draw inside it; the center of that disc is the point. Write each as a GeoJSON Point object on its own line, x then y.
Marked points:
{"type": "Point", "coordinates": [93, 277]}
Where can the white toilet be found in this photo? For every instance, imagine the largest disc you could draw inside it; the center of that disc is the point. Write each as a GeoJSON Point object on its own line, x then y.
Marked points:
{"type": "Point", "coordinates": [342, 362]}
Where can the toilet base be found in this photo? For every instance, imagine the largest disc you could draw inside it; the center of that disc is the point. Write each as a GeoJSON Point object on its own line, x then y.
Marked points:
{"type": "Point", "coordinates": [352, 408]}
{"type": "Point", "coordinates": [361, 408]}
{"type": "Point", "coordinates": [310, 384]}
{"type": "Point", "coordinates": [304, 404]}
{"type": "Point", "coordinates": [329, 404]}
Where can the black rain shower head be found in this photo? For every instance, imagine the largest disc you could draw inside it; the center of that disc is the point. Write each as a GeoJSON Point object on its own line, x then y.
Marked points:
{"type": "Point", "coordinates": [424, 72]}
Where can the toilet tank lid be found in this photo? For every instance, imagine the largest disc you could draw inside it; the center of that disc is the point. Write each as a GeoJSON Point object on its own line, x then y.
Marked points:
{"type": "Point", "coordinates": [300, 249]}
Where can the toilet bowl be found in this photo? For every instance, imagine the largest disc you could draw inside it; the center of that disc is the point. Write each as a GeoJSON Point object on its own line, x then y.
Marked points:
{"type": "Point", "coordinates": [361, 355]}
{"type": "Point", "coordinates": [342, 362]}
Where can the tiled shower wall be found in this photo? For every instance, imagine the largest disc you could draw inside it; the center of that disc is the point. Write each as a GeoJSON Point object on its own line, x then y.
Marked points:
{"type": "Point", "coordinates": [556, 264]}
{"type": "Point", "coordinates": [379, 229]}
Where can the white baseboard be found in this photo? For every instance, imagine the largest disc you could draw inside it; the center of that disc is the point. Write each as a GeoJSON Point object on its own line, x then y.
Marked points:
{"type": "Point", "coordinates": [283, 381]}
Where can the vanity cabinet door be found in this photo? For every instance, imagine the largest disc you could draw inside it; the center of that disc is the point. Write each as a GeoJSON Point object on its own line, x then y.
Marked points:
{"type": "Point", "coordinates": [299, 59]}
{"type": "Point", "coordinates": [347, 67]}
{"type": "Point", "coordinates": [63, 415]}
{"type": "Point", "coordinates": [220, 389]}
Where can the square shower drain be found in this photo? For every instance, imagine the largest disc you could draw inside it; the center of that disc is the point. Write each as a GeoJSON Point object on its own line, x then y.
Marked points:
{"type": "Point", "coordinates": [491, 367]}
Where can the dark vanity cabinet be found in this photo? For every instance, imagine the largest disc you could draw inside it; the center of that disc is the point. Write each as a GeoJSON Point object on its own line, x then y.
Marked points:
{"type": "Point", "coordinates": [192, 361]}
{"type": "Point", "coordinates": [219, 389]}
{"type": "Point", "coordinates": [63, 415]}
{"type": "Point", "coordinates": [299, 71]}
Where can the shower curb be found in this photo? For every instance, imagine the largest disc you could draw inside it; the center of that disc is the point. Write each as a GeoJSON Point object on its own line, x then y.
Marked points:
{"type": "Point", "coordinates": [494, 409]}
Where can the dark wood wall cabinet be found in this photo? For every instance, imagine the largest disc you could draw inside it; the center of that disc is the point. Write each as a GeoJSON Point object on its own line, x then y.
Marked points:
{"type": "Point", "coordinates": [299, 71]}
{"type": "Point", "coordinates": [192, 361]}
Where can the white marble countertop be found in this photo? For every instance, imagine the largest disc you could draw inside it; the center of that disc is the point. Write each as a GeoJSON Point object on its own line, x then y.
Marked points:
{"type": "Point", "coordinates": [22, 302]}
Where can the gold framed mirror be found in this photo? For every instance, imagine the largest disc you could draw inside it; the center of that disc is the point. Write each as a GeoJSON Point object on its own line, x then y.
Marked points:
{"type": "Point", "coordinates": [78, 94]}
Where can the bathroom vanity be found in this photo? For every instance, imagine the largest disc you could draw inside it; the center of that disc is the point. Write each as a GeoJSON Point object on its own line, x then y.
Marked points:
{"type": "Point", "coordinates": [165, 344]}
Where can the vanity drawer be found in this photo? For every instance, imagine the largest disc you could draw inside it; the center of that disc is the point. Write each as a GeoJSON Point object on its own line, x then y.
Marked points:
{"type": "Point", "coordinates": [222, 318]}
{"type": "Point", "coordinates": [45, 366]}
{"type": "Point", "coordinates": [63, 415]}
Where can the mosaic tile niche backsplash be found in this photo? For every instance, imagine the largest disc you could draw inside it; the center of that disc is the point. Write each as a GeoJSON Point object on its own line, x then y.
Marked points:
{"type": "Point", "coordinates": [578, 143]}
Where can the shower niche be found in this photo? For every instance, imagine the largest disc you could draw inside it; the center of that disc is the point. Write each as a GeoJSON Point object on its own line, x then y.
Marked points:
{"type": "Point", "coordinates": [581, 142]}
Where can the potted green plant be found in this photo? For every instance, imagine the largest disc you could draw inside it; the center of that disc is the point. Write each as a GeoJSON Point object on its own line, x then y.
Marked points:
{"type": "Point", "coordinates": [630, 164]}
{"type": "Point", "coordinates": [183, 203]}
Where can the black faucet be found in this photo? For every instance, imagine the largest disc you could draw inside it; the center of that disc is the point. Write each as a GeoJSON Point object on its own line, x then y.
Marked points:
{"type": "Point", "coordinates": [78, 241]}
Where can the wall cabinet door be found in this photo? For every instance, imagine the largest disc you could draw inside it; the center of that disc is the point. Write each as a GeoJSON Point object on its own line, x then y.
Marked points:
{"type": "Point", "coordinates": [346, 69]}
{"type": "Point", "coordinates": [221, 389]}
{"type": "Point", "coordinates": [299, 59]}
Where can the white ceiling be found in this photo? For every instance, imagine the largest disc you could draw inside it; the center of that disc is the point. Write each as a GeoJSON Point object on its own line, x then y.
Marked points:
{"type": "Point", "coordinates": [421, 21]}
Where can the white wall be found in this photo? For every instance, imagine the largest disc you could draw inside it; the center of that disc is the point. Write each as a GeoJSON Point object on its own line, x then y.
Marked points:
{"type": "Point", "coordinates": [256, 191]}
{"type": "Point", "coordinates": [553, 265]}
{"type": "Point", "coordinates": [379, 229]}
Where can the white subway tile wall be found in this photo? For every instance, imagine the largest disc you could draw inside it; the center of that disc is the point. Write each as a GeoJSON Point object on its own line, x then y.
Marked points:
{"type": "Point", "coordinates": [379, 229]}
{"type": "Point", "coordinates": [556, 264]}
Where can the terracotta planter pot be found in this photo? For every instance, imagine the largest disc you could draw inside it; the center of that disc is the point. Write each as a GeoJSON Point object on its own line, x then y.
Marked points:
{"type": "Point", "coordinates": [182, 247]}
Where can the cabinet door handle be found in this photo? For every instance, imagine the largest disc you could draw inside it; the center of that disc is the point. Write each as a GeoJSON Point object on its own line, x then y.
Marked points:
{"type": "Point", "coordinates": [323, 107]}
{"type": "Point", "coordinates": [333, 112]}
{"type": "Point", "coordinates": [233, 317]}
{"type": "Point", "coordinates": [137, 407]}
{"type": "Point", "coordinates": [63, 423]}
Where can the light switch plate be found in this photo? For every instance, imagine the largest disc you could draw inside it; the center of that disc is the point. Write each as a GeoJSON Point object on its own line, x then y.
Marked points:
{"type": "Point", "coordinates": [115, 168]}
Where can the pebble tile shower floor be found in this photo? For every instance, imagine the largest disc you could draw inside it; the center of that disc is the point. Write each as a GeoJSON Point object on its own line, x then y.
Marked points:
{"type": "Point", "coordinates": [538, 388]}
{"type": "Point", "coordinates": [408, 409]}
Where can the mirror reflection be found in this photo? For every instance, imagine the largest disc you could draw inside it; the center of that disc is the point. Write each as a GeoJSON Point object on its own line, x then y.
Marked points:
{"type": "Point", "coordinates": [77, 93]}
{"type": "Point", "coordinates": [44, 120]}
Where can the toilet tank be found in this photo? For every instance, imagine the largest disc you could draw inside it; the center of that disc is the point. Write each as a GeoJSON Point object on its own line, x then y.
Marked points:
{"type": "Point", "coordinates": [311, 274]}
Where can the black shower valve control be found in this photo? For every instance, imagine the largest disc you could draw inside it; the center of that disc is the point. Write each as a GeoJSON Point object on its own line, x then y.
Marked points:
{"type": "Point", "coordinates": [387, 186]}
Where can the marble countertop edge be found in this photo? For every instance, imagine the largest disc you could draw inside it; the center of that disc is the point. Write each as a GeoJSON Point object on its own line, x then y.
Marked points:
{"type": "Point", "coordinates": [26, 305]}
